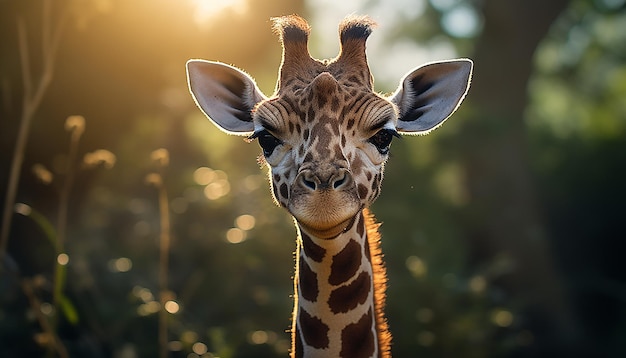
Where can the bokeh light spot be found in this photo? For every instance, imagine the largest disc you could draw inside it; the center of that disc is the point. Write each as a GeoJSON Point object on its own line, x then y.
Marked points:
{"type": "Point", "coordinates": [63, 259]}
{"type": "Point", "coordinates": [175, 346]}
{"type": "Point", "coordinates": [258, 337]}
{"type": "Point", "coordinates": [122, 264]}
{"type": "Point", "coordinates": [416, 266]}
{"type": "Point", "coordinates": [46, 308]}
{"type": "Point", "coordinates": [217, 189]}
{"type": "Point", "coordinates": [501, 317]}
{"type": "Point", "coordinates": [143, 294]}
{"type": "Point", "coordinates": [203, 175]}
{"type": "Point", "coordinates": [172, 307]}
{"type": "Point", "coordinates": [199, 348]}
{"type": "Point", "coordinates": [245, 222]}
{"type": "Point", "coordinates": [477, 284]}
{"type": "Point", "coordinates": [235, 235]}
{"type": "Point", "coordinates": [189, 337]}
{"type": "Point", "coordinates": [148, 308]}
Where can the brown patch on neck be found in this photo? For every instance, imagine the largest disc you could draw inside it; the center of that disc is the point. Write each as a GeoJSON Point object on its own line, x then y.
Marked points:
{"type": "Point", "coordinates": [380, 284]}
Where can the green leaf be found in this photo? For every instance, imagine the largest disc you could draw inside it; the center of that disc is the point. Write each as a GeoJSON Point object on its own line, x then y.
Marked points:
{"type": "Point", "coordinates": [68, 309]}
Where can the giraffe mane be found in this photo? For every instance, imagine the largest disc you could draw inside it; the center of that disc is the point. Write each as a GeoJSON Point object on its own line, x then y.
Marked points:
{"type": "Point", "coordinates": [380, 283]}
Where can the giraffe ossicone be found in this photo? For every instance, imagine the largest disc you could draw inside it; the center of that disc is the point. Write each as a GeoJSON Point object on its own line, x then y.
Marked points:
{"type": "Point", "coordinates": [325, 135]}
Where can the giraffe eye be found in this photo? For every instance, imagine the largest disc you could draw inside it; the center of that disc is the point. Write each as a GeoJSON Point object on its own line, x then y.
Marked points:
{"type": "Point", "coordinates": [382, 139]}
{"type": "Point", "coordinates": [267, 142]}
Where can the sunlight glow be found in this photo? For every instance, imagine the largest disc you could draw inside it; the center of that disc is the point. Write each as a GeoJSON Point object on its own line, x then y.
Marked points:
{"type": "Point", "coordinates": [206, 10]}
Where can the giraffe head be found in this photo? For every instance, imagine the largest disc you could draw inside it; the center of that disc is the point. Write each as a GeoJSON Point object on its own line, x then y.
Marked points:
{"type": "Point", "coordinates": [325, 133]}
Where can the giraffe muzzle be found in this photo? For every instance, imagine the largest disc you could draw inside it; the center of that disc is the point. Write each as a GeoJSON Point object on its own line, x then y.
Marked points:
{"type": "Point", "coordinates": [324, 198]}
{"type": "Point", "coordinates": [340, 179]}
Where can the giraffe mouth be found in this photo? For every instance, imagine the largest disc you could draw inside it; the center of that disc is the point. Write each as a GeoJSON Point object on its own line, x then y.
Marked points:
{"type": "Point", "coordinates": [325, 218]}
{"type": "Point", "coordinates": [328, 233]}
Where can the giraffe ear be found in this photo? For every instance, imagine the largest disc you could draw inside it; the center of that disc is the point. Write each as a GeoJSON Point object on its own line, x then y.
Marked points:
{"type": "Point", "coordinates": [428, 95]}
{"type": "Point", "coordinates": [225, 94]}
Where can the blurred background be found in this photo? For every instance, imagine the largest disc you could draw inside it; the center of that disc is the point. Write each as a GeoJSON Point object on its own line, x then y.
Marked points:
{"type": "Point", "coordinates": [500, 230]}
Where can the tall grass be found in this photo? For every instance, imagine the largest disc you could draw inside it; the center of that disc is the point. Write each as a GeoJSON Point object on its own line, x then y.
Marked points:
{"type": "Point", "coordinates": [161, 159]}
{"type": "Point", "coordinates": [32, 97]}
{"type": "Point", "coordinates": [57, 236]}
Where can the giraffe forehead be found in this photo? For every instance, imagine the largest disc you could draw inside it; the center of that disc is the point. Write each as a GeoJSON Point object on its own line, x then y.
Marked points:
{"type": "Point", "coordinates": [328, 108]}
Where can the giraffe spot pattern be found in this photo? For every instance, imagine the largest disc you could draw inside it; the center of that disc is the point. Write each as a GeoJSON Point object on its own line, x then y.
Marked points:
{"type": "Point", "coordinates": [350, 123]}
{"type": "Point", "coordinates": [284, 191]}
{"type": "Point", "coordinates": [314, 331]}
{"type": "Point", "coordinates": [362, 190]}
{"type": "Point", "coordinates": [338, 152]}
{"type": "Point", "coordinates": [357, 165]}
{"type": "Point", "coordinates": [346, 298]}
{"type": "Point", "coordinates": [361, 332]}
{"type": "Point", "coordinates": [345, 264]}
{"type": "Point", "coordinates": [298, 350]}
{"type": "Point", "coordinates": [308, 282]}
{"type": "Point", "coordinates": [334, 105]}
{"type": "Point", "coordinates": [360, 229]}
{"type": "Point", "coordinates": [310, 114]}
{"type": "Point", "coordinates": [311, 249]}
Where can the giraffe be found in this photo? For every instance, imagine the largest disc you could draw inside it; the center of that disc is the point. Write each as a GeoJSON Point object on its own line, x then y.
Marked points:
{"type": "Point", "coordinates": [325, 136]}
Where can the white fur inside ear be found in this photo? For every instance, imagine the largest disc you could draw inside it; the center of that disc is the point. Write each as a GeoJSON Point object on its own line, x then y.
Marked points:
{"type": "Point", "coordinates": [430, 94]}
{"type": "Point", "coordinates": [225, 94]}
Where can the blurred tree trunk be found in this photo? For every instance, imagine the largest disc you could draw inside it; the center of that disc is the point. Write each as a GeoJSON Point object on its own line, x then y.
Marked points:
{"type": "Point", "coordinates": [504, 219]}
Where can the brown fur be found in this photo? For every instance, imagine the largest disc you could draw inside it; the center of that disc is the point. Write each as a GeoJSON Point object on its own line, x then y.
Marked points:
{"type": "Point", "coordinates": [380, 284]}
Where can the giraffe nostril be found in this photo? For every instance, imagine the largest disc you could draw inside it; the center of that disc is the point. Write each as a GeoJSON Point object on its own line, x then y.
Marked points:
{"type": "Point", "coordinates": [339, 180]}
{"type": "Point", "coordinates": [309, 184]}
{"type": "Point", "coordinates": [320, 181]}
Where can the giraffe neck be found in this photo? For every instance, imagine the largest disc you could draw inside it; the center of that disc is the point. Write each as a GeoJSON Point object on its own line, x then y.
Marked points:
{"type": "Point", "coordinates": [339, 286]}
